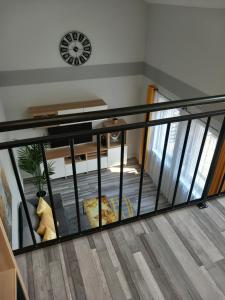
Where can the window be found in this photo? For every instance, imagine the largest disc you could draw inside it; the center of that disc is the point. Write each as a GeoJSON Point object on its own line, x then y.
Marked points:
{"type": "Point", "coordinates": [160, 131]}
{"type": "Point", "coordinates": [173, 154]}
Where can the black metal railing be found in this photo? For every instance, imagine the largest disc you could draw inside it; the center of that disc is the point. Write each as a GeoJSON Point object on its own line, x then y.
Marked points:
{"type": "Point", "coordinates": [70, 137]}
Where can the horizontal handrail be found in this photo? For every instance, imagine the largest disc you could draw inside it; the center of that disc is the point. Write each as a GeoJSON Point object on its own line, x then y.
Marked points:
{"type": "Point", "coordinates": [109, 113]}
{"type": "Point", "coordinates": [137, 125]}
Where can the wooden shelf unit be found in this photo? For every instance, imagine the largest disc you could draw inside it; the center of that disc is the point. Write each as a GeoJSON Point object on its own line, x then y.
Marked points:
{"type": "Point", "coordinates": [63, 108]}
{"type": "Point", "coordinates": [85, 157]}
{"type": "Point", "coordinates": [86, 154]}
{"type": "Point", "coordinates": [80, 150]}
{"type": "Point", "coordinates": [10, 276]}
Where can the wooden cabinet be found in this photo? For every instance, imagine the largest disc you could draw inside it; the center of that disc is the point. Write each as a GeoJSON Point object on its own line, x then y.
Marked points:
{"type": "Point", "coordinates": [59, 168]}
{"type": "Point", "coordinates": [86, 154]}
{"type": "Point", "coordinates": [81, 167]}
{"type": "Point", "coordinates": [86, 159]}
{"type": "Point", "coordinates": [10, 278]}
{"type": "Point", "coordinates": [114, 155]}
{"type": "Point", "coordinates": [92, 164]}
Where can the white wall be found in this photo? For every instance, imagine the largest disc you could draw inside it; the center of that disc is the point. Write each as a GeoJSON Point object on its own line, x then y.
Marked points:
{"type": "Point", "coordinates": [5, 163]}
{"type": "Point", "coordinates": [185, 43]}
{"type": "Point", "coordinates": [188, 44]}
{"type": "Point", "coordinates": [192, 3]}
{"type": "Point", "coordinates": [32, 30]}
{"type": "Point", "coordinates": [116, 92]}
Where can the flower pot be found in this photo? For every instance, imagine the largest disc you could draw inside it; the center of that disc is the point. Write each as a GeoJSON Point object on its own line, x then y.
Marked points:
{"type": "Point", "coordinates": [41, 194]}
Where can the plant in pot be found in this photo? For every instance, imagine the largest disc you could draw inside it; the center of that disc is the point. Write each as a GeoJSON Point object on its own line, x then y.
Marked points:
{"type": "Point", "coordinates": [30, 160]}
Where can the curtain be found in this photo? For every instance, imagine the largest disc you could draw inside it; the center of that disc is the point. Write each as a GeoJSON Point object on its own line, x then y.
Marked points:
{"type": "Point", "coordinates": [219, 173]}
{"type": "Point", "coordinates": [173, 155]}
{"type": "Point", "coordinates": [149, 100]}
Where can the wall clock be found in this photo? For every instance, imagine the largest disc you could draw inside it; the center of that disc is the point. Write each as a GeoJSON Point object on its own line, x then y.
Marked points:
{"type": "Point", "coordinates": [75, 48]}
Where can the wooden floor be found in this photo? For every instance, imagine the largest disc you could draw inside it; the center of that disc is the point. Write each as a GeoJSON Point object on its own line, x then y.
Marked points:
{"type": "Point", "coordinates": [178, 255]}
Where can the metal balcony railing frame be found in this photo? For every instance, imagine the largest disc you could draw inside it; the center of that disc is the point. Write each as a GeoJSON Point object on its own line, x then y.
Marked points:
{"type": "Point", "coordinates": [125, 111]}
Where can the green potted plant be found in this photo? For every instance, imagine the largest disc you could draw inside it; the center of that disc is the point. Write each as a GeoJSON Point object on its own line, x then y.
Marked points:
{"type": "Point", "coordinates": [30, 160]}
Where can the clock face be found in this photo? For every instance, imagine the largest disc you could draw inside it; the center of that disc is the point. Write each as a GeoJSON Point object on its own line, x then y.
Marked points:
{"type": "Point", "coordinates": [75, 48]}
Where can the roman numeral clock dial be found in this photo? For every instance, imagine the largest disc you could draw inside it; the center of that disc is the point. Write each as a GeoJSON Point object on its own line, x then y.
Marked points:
{"type": "Point", "coordinates": [75, 48]}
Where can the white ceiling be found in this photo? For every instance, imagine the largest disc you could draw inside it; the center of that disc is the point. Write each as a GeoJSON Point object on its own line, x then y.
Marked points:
{"type": "Point", "coordinates": [192, 3]}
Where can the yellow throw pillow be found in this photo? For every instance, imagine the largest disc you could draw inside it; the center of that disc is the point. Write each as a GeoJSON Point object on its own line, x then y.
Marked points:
{"type": "Point", "coordinates": [43, 206]}
{"type": "Point", "coordinates": [49, 234]}
{"type": "Point", "coordinates": [44, 211]}
{"type": "Point", "coordinates": [46, 222]}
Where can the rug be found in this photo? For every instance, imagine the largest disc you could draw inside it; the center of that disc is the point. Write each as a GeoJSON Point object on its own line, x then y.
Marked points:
{"type": "Point", "coordinates": [91, 209]}
{"type": "Point", "coordinates": [128, 211]}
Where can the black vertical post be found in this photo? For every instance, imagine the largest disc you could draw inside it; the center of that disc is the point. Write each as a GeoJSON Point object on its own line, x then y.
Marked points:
{"type": "Point", "coordinates": [199, 159]}
{"type": "Point", "coordinates": [181, 161]}
{"type": "Point", "coordinates": [162, 165]}
{"type": "Point", "coordinates": [142, 165]}
{"type": "Point", "coordinates": [12, 158]}
{"type": "Point", "coordinates": [213, 165]}
{"type": "Point", "coordinates": [99, 180]}
{"type": "Point", "coordinates": [49, 188]}
{"type": "Point", "coordinates": [121, 174]}
{"type": "Point", "coordinates": [75, 184]}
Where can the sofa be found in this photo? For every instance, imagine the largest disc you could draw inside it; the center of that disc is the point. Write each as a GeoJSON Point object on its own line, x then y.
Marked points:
{"type": "Point", "coordinates": [25, 238]}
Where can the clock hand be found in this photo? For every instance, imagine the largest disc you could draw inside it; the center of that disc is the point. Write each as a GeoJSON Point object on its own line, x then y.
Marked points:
{"type": "Point", "coordinates": [72, 48]}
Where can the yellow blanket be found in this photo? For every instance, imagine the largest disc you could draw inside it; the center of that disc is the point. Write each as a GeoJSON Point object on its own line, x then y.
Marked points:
{"type": "Point", "coordinates": [91, 209]}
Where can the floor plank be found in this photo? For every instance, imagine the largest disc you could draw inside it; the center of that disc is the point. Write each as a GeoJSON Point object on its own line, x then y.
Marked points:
{"type": "Point", "coordinates": [57, 281]}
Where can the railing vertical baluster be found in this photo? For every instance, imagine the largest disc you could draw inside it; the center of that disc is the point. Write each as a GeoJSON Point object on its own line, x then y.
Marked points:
{"type": "Point", "coordinates": [75, 183]}
{"type": "Point", "coordinates": [181, 161]}
{"type": "Point", "coordinates": [45, 164]}
{"type": "Point", "coordinates": [199, 159]}
{"type": "Point", "coordinates": [162, 165]}
{"type": "Point", "coordinates": [214, 161]}
{"type": "Point", "coordinates": [142, 166]}
{"type": "Point", "coordinates": [221, 185]}
{"type": "Point", "coordinates": [99, 180]}
{"type": "Point", "coordinates": [17, 176]}
{"type": "Point", "coordinates": [121, 174]}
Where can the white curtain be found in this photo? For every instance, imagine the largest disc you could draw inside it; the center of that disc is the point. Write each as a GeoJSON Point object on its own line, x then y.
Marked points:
{"type": "Point", "coordinates": [173, 154]}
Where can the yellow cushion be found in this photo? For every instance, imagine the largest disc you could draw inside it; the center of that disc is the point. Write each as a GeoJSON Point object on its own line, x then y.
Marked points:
{"type": "Point", "coordinates": [43, 206]}
{"type": "Point", "coordinates": [44, 211]}
{"type": "Point", "coordinates": [49, 234]}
